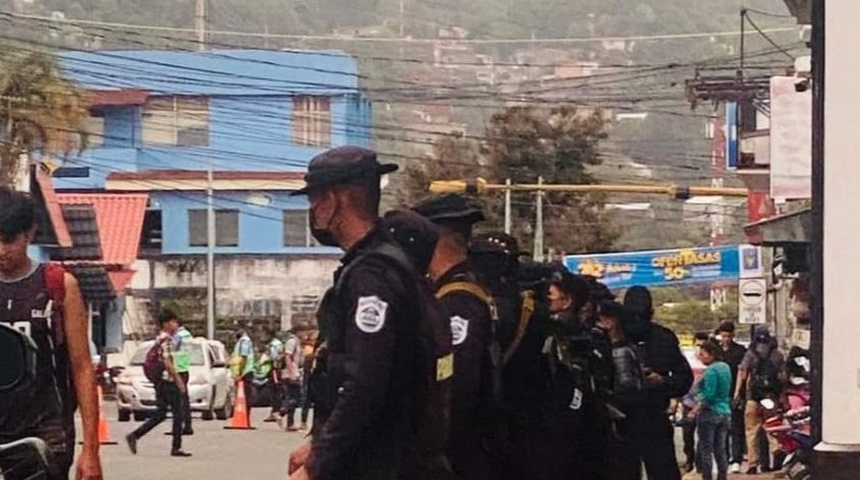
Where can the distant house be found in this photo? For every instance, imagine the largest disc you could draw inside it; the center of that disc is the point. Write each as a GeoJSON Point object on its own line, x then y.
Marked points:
{"type": "Point", "coordinates": [160, 120]}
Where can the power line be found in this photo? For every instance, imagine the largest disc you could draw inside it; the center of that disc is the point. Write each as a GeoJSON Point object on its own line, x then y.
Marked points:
{"type": "Point", "coordinates": [659, 37]}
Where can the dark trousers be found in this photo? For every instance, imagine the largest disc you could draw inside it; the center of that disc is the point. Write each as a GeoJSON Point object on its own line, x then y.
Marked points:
{"type": "Point", "coordinates": [291, 393]}
{"type": "Point", "coordinates": [713, 432]}
{"type": "Point", "coordinates": [167, 396]}
{"type": "Point", "coordinates": [737, 441]}
{"type": "Point", "coordinates": [276, 394]}
{"type": "Point", "coordinates": [688, 430]}
{"type": "Point", "coordinates": [656, 443]}
{"type": "Point", "coordinates": [307, 401]}
{"type": "Point", "coordinates": [186, 404]}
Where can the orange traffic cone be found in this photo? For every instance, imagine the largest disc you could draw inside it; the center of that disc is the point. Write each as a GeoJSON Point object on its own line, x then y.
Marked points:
{"type": "Point", "coordinates": [240, 420]}
{"type": "Point", "coordinates": [104, 432]}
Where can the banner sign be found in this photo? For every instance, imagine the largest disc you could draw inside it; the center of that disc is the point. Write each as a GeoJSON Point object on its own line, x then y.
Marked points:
{"type": "Point", "coordinates": [666, 267]}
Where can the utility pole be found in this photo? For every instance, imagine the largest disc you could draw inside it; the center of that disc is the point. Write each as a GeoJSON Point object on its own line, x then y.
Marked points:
{"type": "Point", "coordinates": [480, 187]}
{"type": "Point", "coordinates": [508, 207]}
{"type": "Point", "coordinates": [538, 250]}
{"type": "Point", "coordinates": [210, 254]}
{"type": "Point", "coordinates": [200, 24]}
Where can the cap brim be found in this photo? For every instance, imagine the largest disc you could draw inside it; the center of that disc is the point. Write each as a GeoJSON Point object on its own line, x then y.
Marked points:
{"type": "Point", "coordinates": [387, 168]}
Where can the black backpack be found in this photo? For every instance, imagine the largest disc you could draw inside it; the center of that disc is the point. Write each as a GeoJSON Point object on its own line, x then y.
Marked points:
{"type": "Point", "coordinates": [765, 382]}
{"type": "Point", "coordinates": [17, 367]}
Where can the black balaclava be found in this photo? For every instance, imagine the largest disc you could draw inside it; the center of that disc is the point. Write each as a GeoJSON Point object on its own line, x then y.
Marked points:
{"type": "Point", "coordinates": [640, 309]}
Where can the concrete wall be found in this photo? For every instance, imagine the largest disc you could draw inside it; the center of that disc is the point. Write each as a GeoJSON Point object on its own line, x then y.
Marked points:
{"type": "Point", "coordinates": [274, 289]}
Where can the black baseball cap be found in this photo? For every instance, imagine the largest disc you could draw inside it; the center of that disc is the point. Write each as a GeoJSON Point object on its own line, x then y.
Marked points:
{"type": "Point", "coordinates": [346, 165]}
{"type": "Point", "coordinates": [611, 309]}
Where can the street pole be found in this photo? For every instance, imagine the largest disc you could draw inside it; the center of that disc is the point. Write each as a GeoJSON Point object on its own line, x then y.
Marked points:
{"type": "Point", "coordinates": [508, 207]}
{"type": "Point", "coordinates": [210, 254]}
{"type": "Point", "coordinates": [538, 250]}
{"type": "Point", "coordinates": [683, 193]}
{"type": "Point", "coordinates": [200, 24]}
{"type": "Point", "coordinates": [835, 227]}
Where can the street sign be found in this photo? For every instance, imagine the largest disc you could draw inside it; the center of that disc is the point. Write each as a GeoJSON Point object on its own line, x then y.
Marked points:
{"type": "Point", "coordinates": [752, 301]}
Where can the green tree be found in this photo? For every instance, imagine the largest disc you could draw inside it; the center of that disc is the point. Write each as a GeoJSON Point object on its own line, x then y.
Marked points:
{"type": "Point", "coordinates": [40, 112]}
{"type": "Point", "coordinates": [558, 144]}
{"type": "Point", "coordinates": [520, 144]}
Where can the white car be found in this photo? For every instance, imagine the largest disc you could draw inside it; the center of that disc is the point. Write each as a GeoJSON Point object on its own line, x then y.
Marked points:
{"type": "Point", "coordinates": [211, 388]}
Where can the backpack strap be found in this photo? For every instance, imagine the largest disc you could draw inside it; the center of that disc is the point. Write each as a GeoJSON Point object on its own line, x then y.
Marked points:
{"type": "Point", "coordinates": [526, 310]}
{"type": "Point", "coordinates": [473, 289]}
{"type": "Point", "coordinates": [55, 286]}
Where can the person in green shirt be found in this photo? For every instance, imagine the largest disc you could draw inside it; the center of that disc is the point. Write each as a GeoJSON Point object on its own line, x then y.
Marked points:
{"type": "Point", "coordinates": [713, 412]}
{"type": "Point", "coordinates": [182, 362]}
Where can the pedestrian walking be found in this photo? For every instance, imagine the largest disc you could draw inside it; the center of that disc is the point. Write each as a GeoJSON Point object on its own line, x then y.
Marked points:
{"type": "Point", "coordinates": [271, 366]}
{"type": "Point", "coordinates": [386, 363]}
{"type": "Point", "coordinates": [182, 361]}
{"type": "Point", "coordinates": [308, 357]}
{"type": "Point", "coordinates": [761, 375]}
{"type": "Point", "coordinates": [290, 379]}
{"type": "Point", "coordinates": [688, 423]}
{"type": "Point", "coordinates": [733, 355]}
{"type": "Point", "coordinates": [713, 412]}
{"type": "Point", "coordinates": [44, 302]}
{"type": "Point", "coordinates": [169, 386]}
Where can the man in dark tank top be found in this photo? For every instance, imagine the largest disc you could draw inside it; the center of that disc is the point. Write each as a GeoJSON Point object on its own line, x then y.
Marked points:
{"type": "Point", "coordinates": [44, 302]}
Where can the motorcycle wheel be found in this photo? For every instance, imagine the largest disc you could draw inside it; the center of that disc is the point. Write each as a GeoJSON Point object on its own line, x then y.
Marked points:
{"type": "Point", "coordinates": [802, 474]}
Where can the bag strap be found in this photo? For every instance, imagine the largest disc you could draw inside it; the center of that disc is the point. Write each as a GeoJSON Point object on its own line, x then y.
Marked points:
{"type": "Point", "coordinates": [55, 286]}
{"type": "Point", "coordinates": [526, 311]}
{"type": "Point", "coordinates": [473, 289]}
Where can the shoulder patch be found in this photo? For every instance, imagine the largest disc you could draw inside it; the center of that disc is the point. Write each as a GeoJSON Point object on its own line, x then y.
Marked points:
{"type": "Point", "coordinates": [370, 314]}
{"type": "Point", "coordinates": [459, 330]}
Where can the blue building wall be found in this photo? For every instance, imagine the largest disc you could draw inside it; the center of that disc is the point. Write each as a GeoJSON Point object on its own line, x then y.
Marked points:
{"type": "Point", "coordinates": [250, 95]}
{"type": "Point", "coordinates": [250, 108]}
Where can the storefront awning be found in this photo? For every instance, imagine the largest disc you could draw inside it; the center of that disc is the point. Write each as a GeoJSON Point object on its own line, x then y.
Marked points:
{"type": "Point", "coordinates": [786, 229]}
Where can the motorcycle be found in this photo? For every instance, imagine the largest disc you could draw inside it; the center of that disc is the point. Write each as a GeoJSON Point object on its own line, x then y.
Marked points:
{"type": "Point", "coordinates": [29, 460]}
{"type": "Point", "coordinates": [792, 432]}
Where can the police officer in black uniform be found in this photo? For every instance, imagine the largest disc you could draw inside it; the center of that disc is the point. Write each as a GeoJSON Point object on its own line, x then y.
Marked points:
{"type": "Point", "coordinates": [382, 366]}
{"type": "Point", "coordinates": [472, 315]}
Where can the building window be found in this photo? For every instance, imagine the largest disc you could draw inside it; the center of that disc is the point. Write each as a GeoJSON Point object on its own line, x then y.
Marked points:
{"type": "Point", "coordinates": [151, 236]}
{"type": "Point", "coordinates": [312, 121]}
{"type": "Point", "coordinates": [296, 228]}
{"type": "Point", "coordinates": [94, 129]}
{"type": "Point", "coordinates": [226, 228]}
{"type": "Point", "coordinates": [178, 121]}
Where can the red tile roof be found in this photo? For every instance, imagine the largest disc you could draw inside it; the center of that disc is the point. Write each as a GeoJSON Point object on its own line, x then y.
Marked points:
{"type": "Point", "coordinates": [121, 279]}
{"type": "Point", "coordinates": [120, 221]}
{"type": "Point", "coordinates": [186, 175]}
{"type": "Point", "coordinates": [122, 97]}
{"type": "Point", "coordinates": [55, 213]}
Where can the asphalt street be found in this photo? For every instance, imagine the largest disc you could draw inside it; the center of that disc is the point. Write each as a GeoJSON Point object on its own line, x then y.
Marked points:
{"type": "Point", "coordinates": [218, 454]}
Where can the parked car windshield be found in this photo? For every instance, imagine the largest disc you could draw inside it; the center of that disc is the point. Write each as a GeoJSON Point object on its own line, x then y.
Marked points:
{"type": "Point", "coordinates": [196, 350]}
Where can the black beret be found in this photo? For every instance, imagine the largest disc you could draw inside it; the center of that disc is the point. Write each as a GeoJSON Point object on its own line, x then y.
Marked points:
{"type": "Point", "coordinates": [343, 166]}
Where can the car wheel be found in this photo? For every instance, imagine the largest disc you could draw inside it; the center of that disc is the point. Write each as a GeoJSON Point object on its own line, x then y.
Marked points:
{"type": "Point", "coordinates": [210, 413]}
{"type": "Point", "coordinates": [226, 411]}
{"type": "Point", "coordinates": [139, 416]}
{"type": "Point", "coordinates": [124, 415]}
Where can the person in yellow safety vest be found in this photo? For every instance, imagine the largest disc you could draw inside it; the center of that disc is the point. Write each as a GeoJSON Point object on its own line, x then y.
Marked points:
{"type": "Point", "coordinates": [271, 362]}
{"type": "Point", "coordinates": [182, 362]}
{"type": "Point", "coordinates": [242, 364]}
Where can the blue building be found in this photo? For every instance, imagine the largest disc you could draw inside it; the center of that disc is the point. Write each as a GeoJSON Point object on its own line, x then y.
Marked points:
{"type": "Point", "coordinates": [160, 119]}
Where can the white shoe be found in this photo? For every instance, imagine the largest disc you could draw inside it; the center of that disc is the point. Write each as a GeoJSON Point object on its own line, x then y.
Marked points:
{"type": "Point", "coordinates": [735, 468]}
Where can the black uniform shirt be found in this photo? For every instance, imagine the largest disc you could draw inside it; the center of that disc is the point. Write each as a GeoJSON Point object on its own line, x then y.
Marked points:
{"type": "Point", "coordinates": [371, 328]}
{"type": "Point", "coordinates": [471, 335]}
